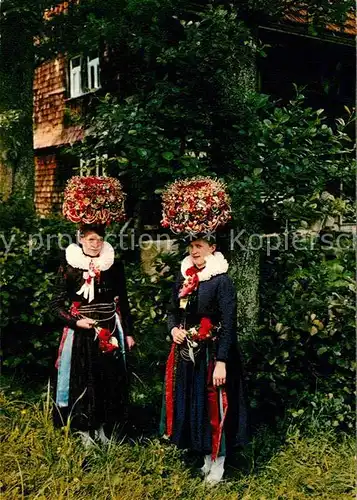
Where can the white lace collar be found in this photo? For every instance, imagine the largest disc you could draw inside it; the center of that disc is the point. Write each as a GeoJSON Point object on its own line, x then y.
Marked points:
{"type": "Point", "coordinates": [76, 258]}
{"type": "Point", "coordinates": [215, 264]}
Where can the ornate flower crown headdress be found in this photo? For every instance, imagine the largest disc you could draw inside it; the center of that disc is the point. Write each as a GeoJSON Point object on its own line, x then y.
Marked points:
{"type": "Point", "coordinates": [197, 205]}
{"type": "Point", "coordinates": [94, 200]}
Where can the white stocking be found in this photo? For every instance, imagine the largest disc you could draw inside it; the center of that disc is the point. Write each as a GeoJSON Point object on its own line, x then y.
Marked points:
{"type": "Point", "coordinates": [217, 471]}
{"type": "Point", "coordinates": [207, 465]}
{"type": "Point", "coordinates": [100, 435]}
{"type": "Point", "coordinates": [87, 441]}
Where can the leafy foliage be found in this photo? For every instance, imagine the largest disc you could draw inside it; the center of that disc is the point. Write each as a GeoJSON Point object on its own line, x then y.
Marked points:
{"type": "Point", "coordinates": [146, 24]}
{"type": "Point", "coordinates": [175, 116]}
{"type": "Point", "coordinates": [296, 161]}
{"type": "Point", "coordinates": [185, 105]}
{"type": "Point", "coordinates": [138, 147]}
{"type": "Point", "coordinates": [17, 211]}
{"type": "Point", "coordinates": [149, 297]}
{"type": "Point", "coordinates": [304, 351]}
{"type": "Point", "coordinates": [182, 101]}
{"type": "Point", "coordinates": [21, 21]}
{"type": "Point", "coordinates": [29, 259]}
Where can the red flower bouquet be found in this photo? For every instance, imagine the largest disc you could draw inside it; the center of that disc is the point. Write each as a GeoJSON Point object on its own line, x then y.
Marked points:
{"type": "Point", "coordinates": [198, 334]}
{"type": "Point", "coordinates": [197, 205]}
{"type": "Point", "coordinates": [74, 309]}
{"type": "Point", "coordinates": [205, 329]}
{"type": "Point", "coordinates": [107, 342]}
{"type": "Point", "coordinates": [202, 332]}
{"type": "Point", "coordinates": [94, 200]}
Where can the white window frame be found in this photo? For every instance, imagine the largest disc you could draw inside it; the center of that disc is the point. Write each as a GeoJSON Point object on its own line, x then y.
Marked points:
{"type": "Point", "coordinates": [95, 166]}
{"type": "Point", "coordinates": [87, 69]}
{"type": "Point", "coordinates": [75, 77]}
{"type": "Point", "coordinates": [93, 63]}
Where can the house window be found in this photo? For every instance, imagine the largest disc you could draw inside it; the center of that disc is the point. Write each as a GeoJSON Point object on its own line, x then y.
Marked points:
{"type": "Point", "coordinates": [84, 75]}
{"type": "Point", "coordinates": [75, 76]}
{"type": "Point", "coordinates": [95, 166]}
{"type": "Point", "coordinates": [93, 73]}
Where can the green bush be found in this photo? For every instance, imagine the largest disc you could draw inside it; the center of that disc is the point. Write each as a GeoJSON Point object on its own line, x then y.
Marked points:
{"type": "Point", "coordinates": [17, 211]}
{"type": "Point", "coordinates": [28, 265]}
{"type": "Point", "coordinates": [305, 348]}
{"type": "Point", "coordinates": [293, 170]}
{"type": "Point", "coordinates": [321, 412]}
{"type": "Point", "coordinates": [149, 297]}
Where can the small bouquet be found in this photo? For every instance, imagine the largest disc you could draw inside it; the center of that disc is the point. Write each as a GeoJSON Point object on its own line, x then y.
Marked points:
{"type": "Point", "coordinates": [94, 200]}
{"type": "Point", "coordinates": [197, 205]}
{"type": "Point", "coordinates": [107, 342]}
{"type": "Point", "coordinates": [74, 310]}
{"type": "Point", "coordinates": [198, 334]}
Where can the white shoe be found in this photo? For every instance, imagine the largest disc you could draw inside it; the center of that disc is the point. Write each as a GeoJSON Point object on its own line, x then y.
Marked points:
{"type": "Point", "coordinates": [100, 435]}
{"type": "Point", "coordinates": [87, 441]}
{"type": "Point", "coordinates": [206, 466]}
{"type": "Point", "coordinates": [216, 473]}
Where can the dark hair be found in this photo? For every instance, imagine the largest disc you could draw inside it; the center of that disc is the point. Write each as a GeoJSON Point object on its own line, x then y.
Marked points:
{"type": "Point", "coordinates": [92, 228]}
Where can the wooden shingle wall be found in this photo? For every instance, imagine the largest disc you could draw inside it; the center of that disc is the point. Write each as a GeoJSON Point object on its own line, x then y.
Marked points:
{"type": "Point", "coordinates": [45, 173]}
{"type": "Point", "coordinates": [300, 16]}
{"type": "Point", "coordinates": [49, 94]}
{"type": "Point", "coordinates": [50, 132]}
{"type": "Point", "coordinates": [49, 106]}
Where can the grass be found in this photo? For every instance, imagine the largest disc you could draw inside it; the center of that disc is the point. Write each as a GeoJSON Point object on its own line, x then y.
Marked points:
{"type": "Point", "coordinates": [40, 462]}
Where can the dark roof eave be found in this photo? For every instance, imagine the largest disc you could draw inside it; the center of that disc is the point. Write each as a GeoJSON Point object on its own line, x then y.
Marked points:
{"type": "Point", "coordinates": [340, 39]}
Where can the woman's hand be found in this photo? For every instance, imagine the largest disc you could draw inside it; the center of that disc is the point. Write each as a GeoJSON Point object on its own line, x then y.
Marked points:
{"type": "Point", "coordinates": [219, 374]}
{"type": "Point", "coordinates": [130, 342]}
{"type": "Point", "coordinates": [85, 323]}
{"type": "Point", "coordinates": [178, 335]}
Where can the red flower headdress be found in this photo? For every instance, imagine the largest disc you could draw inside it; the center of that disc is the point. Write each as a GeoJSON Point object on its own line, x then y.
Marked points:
{"type": "Point", "coordinates": [94, 200]}
{"type": "Point", "coordinates": [198, 205]}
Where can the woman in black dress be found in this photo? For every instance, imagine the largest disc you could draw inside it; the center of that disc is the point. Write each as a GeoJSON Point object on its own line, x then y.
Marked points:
{"type": "Point", "coordinates": [91, 301]}
{"type": "Point", "coordinates": [204, 408]}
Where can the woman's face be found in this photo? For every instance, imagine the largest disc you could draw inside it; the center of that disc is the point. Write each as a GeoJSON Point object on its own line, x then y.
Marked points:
{"type": "Point", "coordinates": [199, 250]}
{"type": "Point", "coordinates": [92, 243]}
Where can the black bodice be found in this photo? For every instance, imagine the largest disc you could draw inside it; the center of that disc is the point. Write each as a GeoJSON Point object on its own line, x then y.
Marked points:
{"type": "Point", "coordinates": [111, 285]}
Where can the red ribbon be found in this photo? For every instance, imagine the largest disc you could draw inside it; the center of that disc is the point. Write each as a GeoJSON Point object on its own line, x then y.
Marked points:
{"type": "Point", "coordinates": [169, 390]}
{"type": "Point", "coordinates": [75, 313]}
{"type": "Point", "coordinates": [60, 349]}
{"type": "Point", "coordinates": [223, 394]}
{"type": "Point", "coordinates": [216, 420]}
{"type": "Point", "coordinates": [191, 282]}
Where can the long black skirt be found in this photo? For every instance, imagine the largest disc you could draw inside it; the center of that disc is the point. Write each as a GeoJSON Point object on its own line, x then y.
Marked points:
{"type": "Point", "coordinates": [98, 385]}
{"type": "Point", "coordinates": [196, 415]}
